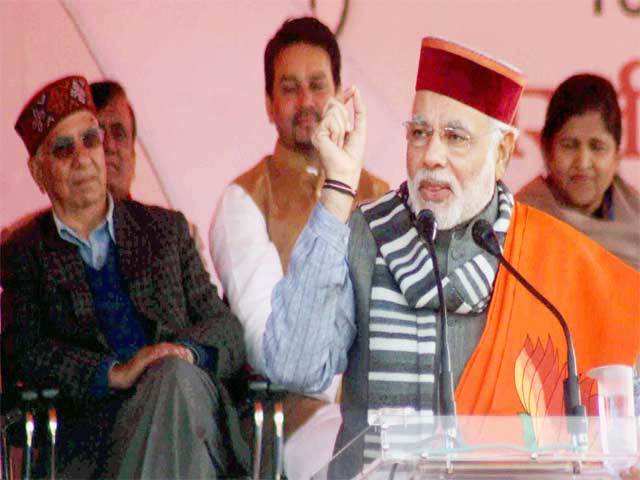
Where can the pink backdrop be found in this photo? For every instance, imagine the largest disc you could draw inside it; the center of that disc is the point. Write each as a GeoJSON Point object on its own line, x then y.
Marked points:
{"type": "Point", "coordinates": [193, 70]}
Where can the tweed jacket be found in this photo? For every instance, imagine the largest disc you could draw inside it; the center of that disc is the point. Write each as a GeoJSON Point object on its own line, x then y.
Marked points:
{"type": "Point", "coordinates": [50, 331]}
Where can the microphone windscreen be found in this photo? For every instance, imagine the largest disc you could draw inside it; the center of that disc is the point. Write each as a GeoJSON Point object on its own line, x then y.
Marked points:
{"type": "Point", "coordinates": [427, 224]}
{"type": "Point", "coordinates": [483, 235]}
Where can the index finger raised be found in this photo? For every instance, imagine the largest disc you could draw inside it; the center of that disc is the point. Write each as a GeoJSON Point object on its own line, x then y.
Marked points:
{"type": "Point", "coordinates": [359, 111]}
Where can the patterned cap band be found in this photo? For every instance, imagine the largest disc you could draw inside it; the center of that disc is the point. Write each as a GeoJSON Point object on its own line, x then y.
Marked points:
{"type": "Point", "coordinates": [490, 86]}
{"type": "Point", "coordinates": [50, 105]}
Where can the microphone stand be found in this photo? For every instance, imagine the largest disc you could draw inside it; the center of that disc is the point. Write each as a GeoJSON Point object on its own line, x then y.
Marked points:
{"type": "Point", "coordinates": [29, 397]}
{"type": "Point", "coordinates": [29, 424]}
{"type": "Point", "coordinates": [485, 237]}
{"type": "Point", "coordinates": [278, 420]}
{"type": "Point", "coordinates": [447, 396]}
{"type": "Point", "coordinates": [53, 427]}
{"type": "Point", "coordinates": [50, 394]}
{"type": "Point", "coordinates": [447, 403]}
{"type": "Point", "coordinates": [258, 419]}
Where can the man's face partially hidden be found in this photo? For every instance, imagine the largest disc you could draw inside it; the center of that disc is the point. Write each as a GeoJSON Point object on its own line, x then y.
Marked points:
{"type": "Point", "coordinates": [117, 124]}
{"type": "Point", "coordinates": [302, 85]}
{"type": "Point", "coordinates": [451, 159]}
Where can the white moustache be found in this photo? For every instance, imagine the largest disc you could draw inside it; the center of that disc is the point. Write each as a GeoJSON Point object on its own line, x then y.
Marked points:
{"type": "Point", "coordinates": [436, 176]}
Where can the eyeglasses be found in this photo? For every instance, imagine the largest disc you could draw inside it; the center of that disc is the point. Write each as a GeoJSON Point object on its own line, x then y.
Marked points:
{"type": "Point", "coordinates": [419, 134]}
{"type": "Point", "coordinates": [64, 147]}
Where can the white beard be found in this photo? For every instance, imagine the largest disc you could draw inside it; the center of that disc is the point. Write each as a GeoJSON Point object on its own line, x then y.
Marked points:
{"type": "Point", "coordinates": [466, 200]}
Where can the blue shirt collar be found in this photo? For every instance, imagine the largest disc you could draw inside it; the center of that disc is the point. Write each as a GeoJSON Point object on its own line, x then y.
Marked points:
{"type": "Point", "coordinates": [65, 229]}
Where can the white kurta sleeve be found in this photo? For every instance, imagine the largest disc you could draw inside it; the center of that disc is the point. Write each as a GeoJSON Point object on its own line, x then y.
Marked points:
{"type": "Point", "coordinates": [247, 263]}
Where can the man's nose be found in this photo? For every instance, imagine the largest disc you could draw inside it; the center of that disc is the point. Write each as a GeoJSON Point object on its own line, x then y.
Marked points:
{"type": "Point", "coordinates": [435, 153]}
{"type": "Point", "coordinates": [305, 97]}
{"type": "Point", "coordinates": [82, 157]}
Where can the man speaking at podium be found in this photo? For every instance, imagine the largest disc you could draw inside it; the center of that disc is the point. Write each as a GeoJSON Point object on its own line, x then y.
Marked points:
{"type": "Point", "coordinates": [360, 295]}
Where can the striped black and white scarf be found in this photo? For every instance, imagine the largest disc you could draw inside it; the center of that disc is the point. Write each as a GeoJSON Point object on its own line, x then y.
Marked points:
{"type": "Point", "coordinates": [404, 304]}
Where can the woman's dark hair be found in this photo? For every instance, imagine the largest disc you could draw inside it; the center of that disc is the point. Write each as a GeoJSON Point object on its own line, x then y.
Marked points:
{"type": "Point", "coordinates": [578, 95]}
{"type": "Point", "coordinates": [301, 30]}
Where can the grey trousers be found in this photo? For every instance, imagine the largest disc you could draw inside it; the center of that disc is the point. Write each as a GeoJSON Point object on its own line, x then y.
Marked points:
{"type": "Point", "coordinates": [168, 426]}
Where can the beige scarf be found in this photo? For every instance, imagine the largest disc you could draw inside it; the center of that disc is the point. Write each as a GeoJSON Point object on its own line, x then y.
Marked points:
{"type": "Point", "coordinates": [621, 236]}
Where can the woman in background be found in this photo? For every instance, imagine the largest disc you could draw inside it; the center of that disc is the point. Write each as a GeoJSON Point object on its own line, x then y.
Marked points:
{"type": "Point", "coordinates": [581, 149]}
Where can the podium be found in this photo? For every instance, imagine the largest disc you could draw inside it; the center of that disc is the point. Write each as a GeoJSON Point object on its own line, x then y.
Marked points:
{"type": "Point", "coordinates": [406, 445]}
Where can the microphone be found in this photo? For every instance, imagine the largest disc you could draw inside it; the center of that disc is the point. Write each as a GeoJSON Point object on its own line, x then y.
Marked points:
{"type": "Point", "coordinates": [485, 238]}
{"type": "Point", "coordinates": [428, 227]}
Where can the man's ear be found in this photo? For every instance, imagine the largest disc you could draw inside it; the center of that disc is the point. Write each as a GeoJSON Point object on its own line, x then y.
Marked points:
{"type": "Point", "coordinates": [268, 105]}
{"type": "Point", "coordinates": [35, 168]}
{"type": "Point", "coordinates": [505, 150]}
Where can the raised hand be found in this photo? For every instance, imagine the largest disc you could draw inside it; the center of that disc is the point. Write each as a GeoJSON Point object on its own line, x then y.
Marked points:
{"type": "Point", "coordinates": [341, 148]}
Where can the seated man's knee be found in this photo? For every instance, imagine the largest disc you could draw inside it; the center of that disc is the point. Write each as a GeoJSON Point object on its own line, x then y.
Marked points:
{"type": "Point", "coordinates": [174, 373]}
{"type": "Point", "coordinates": [172, 366]}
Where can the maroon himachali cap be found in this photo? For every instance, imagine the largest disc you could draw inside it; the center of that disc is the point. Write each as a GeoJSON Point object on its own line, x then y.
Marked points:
{"type": "Point", "coordinates": [492, 87]}
{"type": "Point", "coordinates": [51, 104]}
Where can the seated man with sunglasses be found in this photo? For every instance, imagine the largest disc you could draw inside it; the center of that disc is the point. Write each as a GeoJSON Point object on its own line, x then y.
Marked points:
{"type": "Point", "coordinates": [109, 301]}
